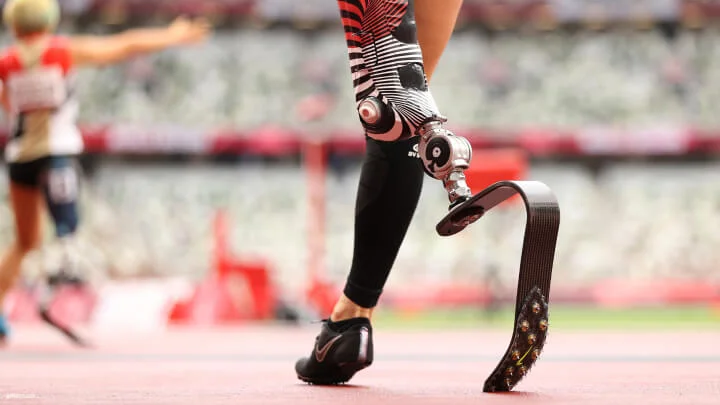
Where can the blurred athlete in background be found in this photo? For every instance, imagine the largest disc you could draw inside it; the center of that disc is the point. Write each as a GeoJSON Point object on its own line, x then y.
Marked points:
{"type": "Point", "coordinates": [401, 121]}
{"type": "Point", "coordinates": [37, 95]}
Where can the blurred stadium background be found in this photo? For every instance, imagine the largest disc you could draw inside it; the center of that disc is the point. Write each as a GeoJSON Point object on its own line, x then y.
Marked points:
{"type": "Point", "coordinates": [230, 168]}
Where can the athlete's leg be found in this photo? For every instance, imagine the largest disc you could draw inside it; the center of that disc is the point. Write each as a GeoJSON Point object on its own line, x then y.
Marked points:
{"type": "Point", "coordinates": [389, 190]}
{"type": "Point", "coordinates": [394, 105]}
{"type": "Point", "coordinates": [27, 209]}
{"type": "Point", "coordinates": [26, 202]}
{"type": "Point", "coordinates": [61, 185]}
{"type": "Point", "coordinates": [373, 260]}
{"type": "Point", "coordinates": [61, 190]}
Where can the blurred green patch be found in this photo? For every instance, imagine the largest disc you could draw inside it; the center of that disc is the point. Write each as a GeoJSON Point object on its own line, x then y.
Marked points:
{"type": "Point", "coordinates": [561, 317]}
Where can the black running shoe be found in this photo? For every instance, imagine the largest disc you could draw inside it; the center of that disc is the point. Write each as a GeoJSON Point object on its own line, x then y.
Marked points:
{"type": "Point", "coordinates": [338, 355]}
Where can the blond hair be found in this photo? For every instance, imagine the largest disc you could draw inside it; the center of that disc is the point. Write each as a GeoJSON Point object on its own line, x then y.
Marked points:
{"type": "Point", "coordinates": [27, 17]}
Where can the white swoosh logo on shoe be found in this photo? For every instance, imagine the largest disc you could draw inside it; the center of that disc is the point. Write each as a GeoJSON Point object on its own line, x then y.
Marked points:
{"type": "Point", "coordinates": [320, 353]}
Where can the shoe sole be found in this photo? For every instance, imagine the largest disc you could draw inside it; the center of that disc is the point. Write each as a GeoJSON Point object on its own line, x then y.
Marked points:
{"type": "Point", "coordinates": [346, 372]}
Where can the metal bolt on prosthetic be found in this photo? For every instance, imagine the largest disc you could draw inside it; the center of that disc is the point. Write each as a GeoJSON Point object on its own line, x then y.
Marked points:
{"type": "Point", "coordinates": [446, 157]}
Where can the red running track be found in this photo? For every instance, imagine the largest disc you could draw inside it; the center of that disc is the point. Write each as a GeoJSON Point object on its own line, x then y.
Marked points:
{"type": "Point", "coordinates": [254, 365]}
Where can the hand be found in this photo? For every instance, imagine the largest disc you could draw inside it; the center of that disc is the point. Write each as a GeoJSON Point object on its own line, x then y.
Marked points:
{"type": "Point", "coordinates": [187, 31]}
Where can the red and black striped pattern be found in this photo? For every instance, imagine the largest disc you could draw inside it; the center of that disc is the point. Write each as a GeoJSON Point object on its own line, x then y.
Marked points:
{"type": "Point", "coordinates": [376, 58]}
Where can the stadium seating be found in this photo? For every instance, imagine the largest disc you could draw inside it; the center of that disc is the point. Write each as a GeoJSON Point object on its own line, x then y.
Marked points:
{"type": "Point", "coordinates": [249, 78]}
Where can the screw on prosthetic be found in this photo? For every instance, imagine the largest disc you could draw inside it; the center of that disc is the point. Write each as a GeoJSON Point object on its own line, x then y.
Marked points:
{"type": "Point", "coordinates": [391, 89]}
{"type": "Point", "coordinates": [445, 157]}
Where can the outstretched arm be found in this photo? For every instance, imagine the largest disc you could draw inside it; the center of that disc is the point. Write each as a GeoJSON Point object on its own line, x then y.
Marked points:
{"type": "Point", "coordinates": [103, 50]}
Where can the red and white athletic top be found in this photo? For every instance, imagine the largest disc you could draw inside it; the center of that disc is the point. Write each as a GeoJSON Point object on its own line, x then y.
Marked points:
{"type": "Point", "coordinates": [38, 100]}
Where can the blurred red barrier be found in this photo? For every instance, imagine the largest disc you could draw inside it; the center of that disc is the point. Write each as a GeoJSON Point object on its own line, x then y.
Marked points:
{"type": "Point", "coordinates": [488, 166]}
{"type": "Point", "coordinates": [276, 141]}
{"type": "Point", "coordinates": [237, 289]}
{"type": "Point", "coordinates": [323, 295]}
{"type": "Point", "coordinates": [621, 293]}
{"type": "Point", "coordinates": [216, 300]}
{"type": "Point", "coordinates": [424, 297]}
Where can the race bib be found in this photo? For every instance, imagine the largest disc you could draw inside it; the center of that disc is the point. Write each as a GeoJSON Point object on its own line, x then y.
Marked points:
{"type": "Point", "coordinates": [41, 88]}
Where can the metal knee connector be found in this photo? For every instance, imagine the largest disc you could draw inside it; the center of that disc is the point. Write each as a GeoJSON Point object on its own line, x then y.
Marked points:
{"type": "Point", "coordinates": [445, 157]}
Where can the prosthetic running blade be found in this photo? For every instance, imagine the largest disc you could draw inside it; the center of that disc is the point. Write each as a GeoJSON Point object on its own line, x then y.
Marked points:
{"type": "Point", "coordinates": [48, 292]}
{"type": "Point", "coordinates": [44, 314]}
{"type": "Point", "coordinates": [536, 263]}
